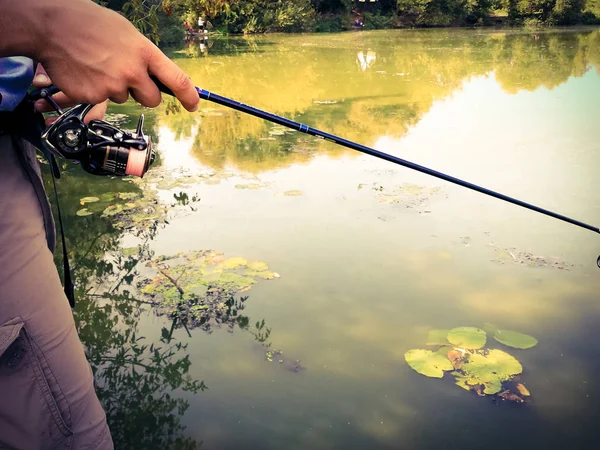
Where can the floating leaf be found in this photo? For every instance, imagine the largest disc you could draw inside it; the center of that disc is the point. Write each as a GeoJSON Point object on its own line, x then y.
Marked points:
{"type": "Point", "coordinates": [456, 358]}
{"type": "Point", "coordinates": [234, 263]}
{"type": "Point", "coordinates": [130, 251]}
{"type": "Point", "coordinates": [490, 370]}
{"type": "Point", "coordinates": [85, 200]}
{"type": "Point", "coordinates": [84, 212]}
{"type": "Point", "coordinates": [258, 266]}
{"type": "Point", "coordinates": [112, 210]}
{"type": "Point", "coordinates": [461, 381]}
{"type": "Point", "coordinates": [107, 197]}
{"type": "Point", "coordinates": [265, 274]}
{"type": "Point", "coordinates": [127, 195]}
{"type": "Point", "coordinates": [428, 363]}
{"type": "Point", "coordinates": [247, 186]}
{"type": "Point", "coordinates": [511, 397]}
{"type": "Point", "coordinates": [293, 193]}
{"type": "Point", "coordinates": [523, 390]}
{"type": "Point", "coordinates": [437, 337]}
{"type": "Point", "coordinates": [467, 337]}
{"type": "Point", "coordinates": [236, 281]}
{"type": "Point", "coordinates": [514, 339]}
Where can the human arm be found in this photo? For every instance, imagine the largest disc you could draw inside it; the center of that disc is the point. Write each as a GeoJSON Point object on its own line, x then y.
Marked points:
{"type": "Point", "coordinates": [91, 53]}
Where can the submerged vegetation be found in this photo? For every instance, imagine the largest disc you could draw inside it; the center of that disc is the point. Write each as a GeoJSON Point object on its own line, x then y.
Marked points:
{"type": "Point", "coordinates": [485, 371]}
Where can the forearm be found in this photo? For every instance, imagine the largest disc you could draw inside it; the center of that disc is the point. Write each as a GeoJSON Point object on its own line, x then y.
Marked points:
{"type": "Point", "coordinates": [20, 26]}
{"type": "Point", "coordinates": [91, 53]}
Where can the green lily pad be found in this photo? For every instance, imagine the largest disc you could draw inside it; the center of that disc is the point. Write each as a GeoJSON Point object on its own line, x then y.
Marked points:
{"type": "Point", "coordinates": [437, 337]}
{"type": "Point", "coordinates": [258, 266]}
{"type": "Point", "coordinates": [234, 263]}
{"type": "Point", "coordinates": [84, 212]}
{"type": "Point", "coordinates": [127, 195]}
{"type": "Point", "coordinates": [467, 337]}
{"type": "Point", "coordinates": [112, 210]}
{"type": "Point", "coordinates": [89, 200]}
{"type": "Point", "coordinates": [514, 339]}
{"type": "Point", "coordinates": [428, 363]}
{"type": "Point", "coordinates": [107, 197]}
{"type": "Point", "coordinates": [489, 370]}
{"type": "Point", "coordinates": [239, 282]}
{"type": "Point", "coordinates": [264, 274]}
{"type": "Point", "coordinates": [130, 251]}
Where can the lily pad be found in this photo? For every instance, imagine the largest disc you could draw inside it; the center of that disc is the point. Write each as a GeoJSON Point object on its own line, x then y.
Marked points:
{"type": "Point", "coordinates": [489, 370]}
{"type": "Point", "coordinates": [234, 263]}
{"type": "Point", "coordinates": [514, 339]}
{"type": "Point", "coordinates": [248, 186]}
{"type": "Point", "coordinates": [258, 266]}
{"type": "Point", "coordinates": [85, 200]}
{"type": "Point", "coordinates": [198, 287]}
{"type": "Point", "coordinates": [264, 274]}
{"type": "Point", "coordinates": [127, 195]}
{"type": "Point", "coordinates": [428, 363]}
{"type": "Point", "coordinates": [467, 337]}
{"type": "Point", "coordinates": [437, 337]}
{"type": "Point", "coordinates": [293, 193]}
{"type": "Point", "coordinates": [84, 212]}
{"type": "Point", "coordinates": [112, 210]}
{"type": "Point", "coordinates": [107, 197]}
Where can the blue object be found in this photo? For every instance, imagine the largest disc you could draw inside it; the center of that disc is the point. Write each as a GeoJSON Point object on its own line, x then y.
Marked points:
{"type": "Point", "coordinates": [16, 75]}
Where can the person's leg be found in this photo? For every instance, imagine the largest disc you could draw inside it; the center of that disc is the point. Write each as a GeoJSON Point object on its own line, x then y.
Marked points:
{"type": "Point", "coordinates": [47, 397]}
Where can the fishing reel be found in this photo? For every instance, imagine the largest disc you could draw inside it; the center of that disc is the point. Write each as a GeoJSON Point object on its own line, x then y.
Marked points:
{"type": "Point", "coordinates": [100, 147]}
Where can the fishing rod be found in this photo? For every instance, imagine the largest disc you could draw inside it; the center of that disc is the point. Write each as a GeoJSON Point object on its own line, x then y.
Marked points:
{"type": "Point", "coordinates": [224, 101]}
{"type": "Point", "coordinates": [206, 95]}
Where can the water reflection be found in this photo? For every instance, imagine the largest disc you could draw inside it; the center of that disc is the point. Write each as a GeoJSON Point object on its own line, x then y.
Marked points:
{"type": "Point", "coordinates": [139, 372]}
{"type": "Point", "coordinates": [414, 70]}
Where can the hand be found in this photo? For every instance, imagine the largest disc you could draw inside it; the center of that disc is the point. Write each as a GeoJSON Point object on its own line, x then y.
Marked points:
{"type": "Point", "coordinates": [92, 53]}
{"type": "Point", "coordinates": [42, 79]}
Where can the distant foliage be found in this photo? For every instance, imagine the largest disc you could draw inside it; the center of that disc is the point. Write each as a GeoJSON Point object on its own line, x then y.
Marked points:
{"type": "Point", "coordinates": [160, 19]}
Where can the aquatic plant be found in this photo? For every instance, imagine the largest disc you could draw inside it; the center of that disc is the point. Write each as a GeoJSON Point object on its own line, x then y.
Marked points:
{"type": "Point", "coordinates": [474, 368]}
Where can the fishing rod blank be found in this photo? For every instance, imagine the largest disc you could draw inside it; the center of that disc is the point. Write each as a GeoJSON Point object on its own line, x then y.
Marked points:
{"type": "Point", "coordinates": [206, 95]}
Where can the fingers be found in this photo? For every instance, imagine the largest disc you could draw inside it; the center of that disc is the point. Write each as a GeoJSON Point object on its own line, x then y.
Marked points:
{"type": "Point", "coordinates": [97, 112]}
{"type": "Point", "coordinates": [41, 78]}
{"type": "Point", "coordinates": [146, 93]}
{"type": "Point", "coordinates": [61, 99]}
{"type": "Point", "coordinates": [120, 97]}
{"type": "Point", "coordinates": [174, 78]}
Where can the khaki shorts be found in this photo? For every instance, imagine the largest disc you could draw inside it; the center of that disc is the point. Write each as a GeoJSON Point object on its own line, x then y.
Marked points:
{"type": "Point", "coordinates": [47, 397]}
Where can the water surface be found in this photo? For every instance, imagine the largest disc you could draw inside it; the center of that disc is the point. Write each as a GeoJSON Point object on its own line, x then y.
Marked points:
{"type": "Point", "coordinates": [370, 255]}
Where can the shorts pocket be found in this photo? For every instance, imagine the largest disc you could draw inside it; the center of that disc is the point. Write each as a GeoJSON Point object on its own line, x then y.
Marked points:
{"type": "Point", "coordinates": [28, 382]}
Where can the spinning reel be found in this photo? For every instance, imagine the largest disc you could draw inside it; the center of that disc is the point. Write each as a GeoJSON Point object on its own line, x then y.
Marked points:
{"type": "Point", "coordinates": [100, 147]}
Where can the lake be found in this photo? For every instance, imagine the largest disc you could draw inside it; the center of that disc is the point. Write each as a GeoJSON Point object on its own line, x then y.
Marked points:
{"type": "Point", "coordinates": [259, 288]}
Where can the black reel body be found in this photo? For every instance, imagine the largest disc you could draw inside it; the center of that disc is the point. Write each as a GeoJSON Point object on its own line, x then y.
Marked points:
{"type": "Point", "coordinates": [100, 147]}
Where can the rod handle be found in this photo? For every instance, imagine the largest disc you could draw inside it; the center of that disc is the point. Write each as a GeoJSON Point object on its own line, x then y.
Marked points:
{"type": "Point", "coordinates": [161, 86]}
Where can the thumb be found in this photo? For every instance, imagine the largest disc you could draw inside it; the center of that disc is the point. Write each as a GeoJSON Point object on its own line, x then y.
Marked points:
{"type": "Point", "coordinates": [41, 78]}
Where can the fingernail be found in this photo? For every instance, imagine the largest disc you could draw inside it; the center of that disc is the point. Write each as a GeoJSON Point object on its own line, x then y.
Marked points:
{"type": "Point", "coordinates": [41, 78]}
{"type": "Point", "coordinates": [195, 108]}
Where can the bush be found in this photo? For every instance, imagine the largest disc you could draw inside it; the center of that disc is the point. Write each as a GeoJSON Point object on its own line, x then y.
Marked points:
{"type": "Point", "coordinates": [170, 30]}
{"type": "Point", "coordinates": [329, 23]}
{"type": "Point", "coordinates": [377, 21]}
